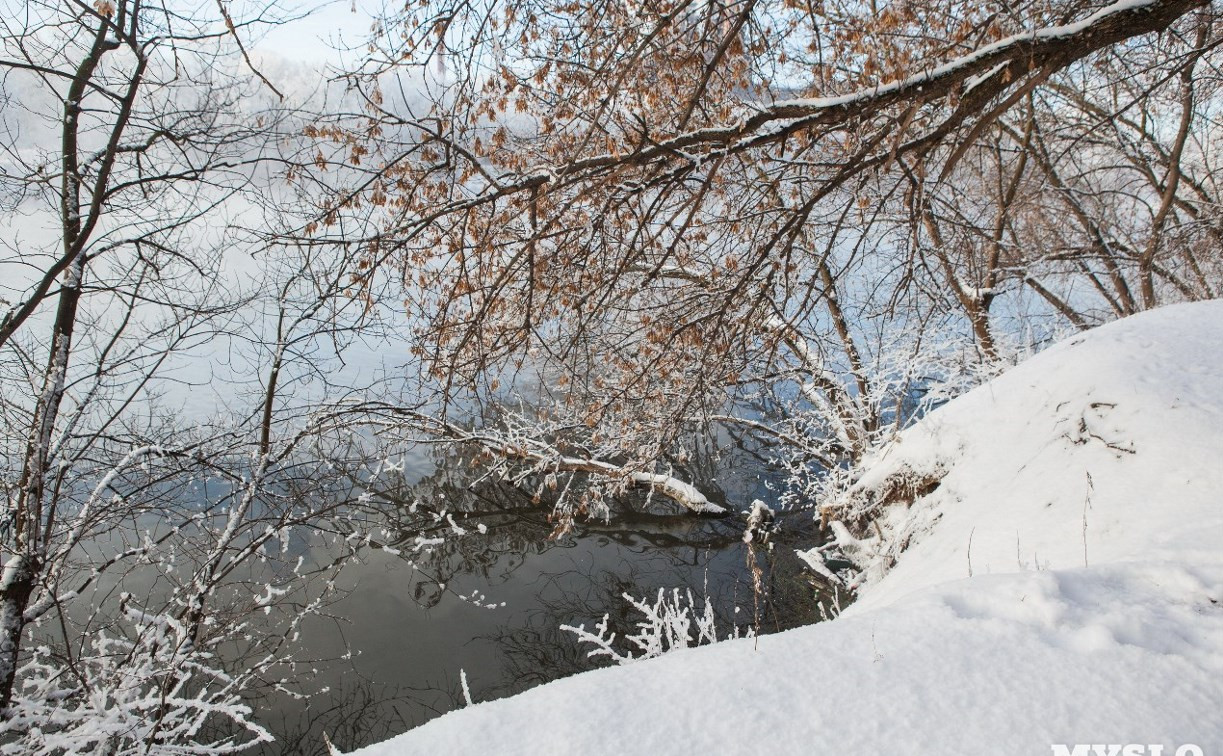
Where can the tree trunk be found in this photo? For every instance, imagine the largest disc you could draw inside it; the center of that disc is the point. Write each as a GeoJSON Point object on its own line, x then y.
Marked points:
{"type": "Point", "coordinates": [16, 585]}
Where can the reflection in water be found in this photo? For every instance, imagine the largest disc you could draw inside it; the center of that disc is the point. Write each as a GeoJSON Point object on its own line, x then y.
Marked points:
{"type": "Point", "coordinates": [489, 600]}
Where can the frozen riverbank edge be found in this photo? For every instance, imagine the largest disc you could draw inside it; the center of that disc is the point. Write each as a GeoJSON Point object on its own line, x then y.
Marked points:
{"type": "Point", "coordinates": [1061, 586]}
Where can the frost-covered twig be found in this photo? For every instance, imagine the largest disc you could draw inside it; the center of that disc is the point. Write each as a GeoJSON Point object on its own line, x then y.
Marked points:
{"type": "Point", "coordinates": [670, 623]}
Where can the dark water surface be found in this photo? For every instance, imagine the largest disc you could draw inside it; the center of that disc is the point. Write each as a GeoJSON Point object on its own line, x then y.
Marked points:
{"type": "Point", "coordinates": [506, 593]}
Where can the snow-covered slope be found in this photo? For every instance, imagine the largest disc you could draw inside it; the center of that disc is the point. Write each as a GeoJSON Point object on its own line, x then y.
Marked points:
{"type": "Point", "coordinates": [1035, 649]}
{"type": "Point", "coordinates": [1107, 447]}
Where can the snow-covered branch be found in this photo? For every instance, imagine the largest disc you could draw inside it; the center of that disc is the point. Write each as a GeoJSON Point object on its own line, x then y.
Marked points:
{"type": "Point", "coordinates": [670, 623]}
{"type": "Point", "coordinates": [527, 446]}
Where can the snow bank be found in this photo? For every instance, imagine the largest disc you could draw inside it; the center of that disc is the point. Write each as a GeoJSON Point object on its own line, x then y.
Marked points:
{"type": "Point", "coordinates": [1105, 448]}
{"type": "Point", "coordinates": [1035, 649]}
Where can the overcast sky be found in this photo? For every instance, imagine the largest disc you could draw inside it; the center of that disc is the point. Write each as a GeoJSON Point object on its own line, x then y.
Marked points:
{"type": "Point", "coordinates": [316, 37]}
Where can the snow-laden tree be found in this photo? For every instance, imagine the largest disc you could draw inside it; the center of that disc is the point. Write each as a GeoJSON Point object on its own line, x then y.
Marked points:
{"type": "Point", "coordinates": [155, 552]}
{"type": "Point", "coordinates": [121, 695]}
{"type": "Point", "coordinates": [806, 221]}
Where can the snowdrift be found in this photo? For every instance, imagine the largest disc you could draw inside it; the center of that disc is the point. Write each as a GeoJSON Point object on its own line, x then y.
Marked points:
{"type": "Point", "coordinates": [1040, 565]}
{"type": "Point", "coordinates": [1107, 447]}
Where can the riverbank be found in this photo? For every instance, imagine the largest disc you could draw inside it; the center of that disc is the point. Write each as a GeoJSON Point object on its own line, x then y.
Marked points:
{"type": "Point", "coordinates": [1061, 585]}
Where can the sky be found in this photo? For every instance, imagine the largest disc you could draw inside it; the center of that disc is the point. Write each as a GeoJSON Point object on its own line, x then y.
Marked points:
{"type": "Point", "coordinates": [325, 24]}
{"type": "Point", "coordinates": [320, 36]}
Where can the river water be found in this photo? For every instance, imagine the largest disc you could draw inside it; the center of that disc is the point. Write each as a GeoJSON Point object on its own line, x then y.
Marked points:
{"type": "Point", "coordinates": [490, 606]}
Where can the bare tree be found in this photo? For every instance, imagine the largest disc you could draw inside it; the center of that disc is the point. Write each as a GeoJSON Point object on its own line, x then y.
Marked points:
{"type": "Point", "coordinates": [140, 537]}
{"type": "Point", "coordinates": [665, 213]}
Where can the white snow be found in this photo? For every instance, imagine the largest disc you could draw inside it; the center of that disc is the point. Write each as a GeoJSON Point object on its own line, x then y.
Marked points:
{"type": "Point", "coordinates": [1034, 650]}
{"type": "Point", "coordinates": [1116, 433]}
{"type": "Point", "coordinates": [981, 53]}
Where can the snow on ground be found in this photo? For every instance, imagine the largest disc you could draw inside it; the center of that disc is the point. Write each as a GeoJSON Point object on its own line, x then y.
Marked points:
{"type": "Point", "coordinates": [1103, 451]}
{"type": "Point", "coordinates": [1105, 448]}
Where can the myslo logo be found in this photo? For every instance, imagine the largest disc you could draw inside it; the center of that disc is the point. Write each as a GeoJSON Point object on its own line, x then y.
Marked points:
{"type": "Point", "coordinates": [1124, 749]}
